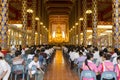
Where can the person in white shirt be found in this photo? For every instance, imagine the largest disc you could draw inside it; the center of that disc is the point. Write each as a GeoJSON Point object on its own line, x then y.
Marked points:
{"type": "Point", "coordinates": [38, 70]}
{"type": "Point", "coordinates": [96, 56]}
{"type": "Point", "coordinates": [5, 68]}
{"type": "Point", "coordinates": [114, 56]}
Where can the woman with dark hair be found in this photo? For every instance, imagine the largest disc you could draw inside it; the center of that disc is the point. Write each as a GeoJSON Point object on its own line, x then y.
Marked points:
{"type": "Point", "coordinates": [106, 65]}
{"type": "Point", "coordinates": [88, 64]}
{"type": "Point", "coordinates": [114, 56]}
{"type": "Point", "coordinates": [18, 59]}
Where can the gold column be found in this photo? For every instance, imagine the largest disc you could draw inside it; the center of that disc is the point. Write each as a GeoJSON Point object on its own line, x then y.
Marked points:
{"type": "Point", "coordinates": [38, 23]}
{"type": "Point", "coordinates": [24, 20]}
{"type": "Point", "coordinates": [33, 22]}
{"type": "Point", "coordinates": [79, 31]}
{"type": "Point", "coordinates": [74, 36]}
{"type": "Point", "coordinates": [4, 24]}
{"type": "Point", "coordinates": [38, 28]}
{"type": "Point", "coordinates": [41, 32]}
{"type": "Point", "coordinates": [94, 22]}
{"type": "Point", "coordinates": [79, 22]}
{"type": "Point", "coordinates": [116, 23]}
{"type": "Point", "coordinates": [84, 22]}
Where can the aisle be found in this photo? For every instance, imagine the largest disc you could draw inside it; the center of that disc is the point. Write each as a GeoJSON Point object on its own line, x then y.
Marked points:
{"type": "Point", "coordinates": [59, 70]}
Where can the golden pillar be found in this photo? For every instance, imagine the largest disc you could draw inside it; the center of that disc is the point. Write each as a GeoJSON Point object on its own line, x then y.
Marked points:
{"type": "Point", "coordinates": [24, 20]}
{"type": "Point", "coordinates": [84, 22]}
{"type": "Point", "coordinates": [79, 31]}
{"type": "Point", "coordinates": [33, 22]}
{"type": "Point", "coordinates": [116, 23]}
{"type": "Point", "coordinates": [94, 22]}
{"type": "Point", "coordinates": [4, 24]}
{"type": "Point", "coordinates": [38, 29]}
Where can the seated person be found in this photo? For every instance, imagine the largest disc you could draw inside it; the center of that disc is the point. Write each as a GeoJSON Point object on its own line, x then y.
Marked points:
{"type": "Point", "coordinates": [5, 68]}
{"type": "Point", "coordinates": [31, 55]}
{"type": "Point", "coordinates": [35, 63]}
{"type": "Point", "coordinates": [89, 65]}
{"type": "Point", "coordinates": [106, 65]}
{"type": "Point", "coordinates": [18, 59]}
{"type": "Point", "coordinates": [80, 60]}
{"type": "Point", "coordinates": [117, 68]}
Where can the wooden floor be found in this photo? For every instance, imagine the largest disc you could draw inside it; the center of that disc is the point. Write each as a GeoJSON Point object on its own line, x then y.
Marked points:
{"type": "Point", "coordinates": [59, 69]}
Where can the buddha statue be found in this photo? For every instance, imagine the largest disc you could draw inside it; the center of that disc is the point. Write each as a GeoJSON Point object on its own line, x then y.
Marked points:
{"type": "Point", "coordinates": [58, 34]}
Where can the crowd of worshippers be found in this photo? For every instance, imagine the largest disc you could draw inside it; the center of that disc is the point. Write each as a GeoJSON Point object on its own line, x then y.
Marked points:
{"type": "Point", "coordinates": [93, 59]}
{"type": "Point", "coordinates": [27, 62]}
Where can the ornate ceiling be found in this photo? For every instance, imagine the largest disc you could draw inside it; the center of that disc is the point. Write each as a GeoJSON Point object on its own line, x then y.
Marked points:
{"type": "Point", "coordinates": [61, 7]}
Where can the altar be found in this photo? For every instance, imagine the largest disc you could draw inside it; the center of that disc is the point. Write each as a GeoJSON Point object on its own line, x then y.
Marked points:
{"type": "Point", "coordinates": [59, 29]}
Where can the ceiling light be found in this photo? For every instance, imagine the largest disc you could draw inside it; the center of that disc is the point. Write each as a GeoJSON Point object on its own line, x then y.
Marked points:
{"type": "Point", "coordinates": [41, 23]}
{"type": "Point", "coordinates": [81, 33]}
{"type": "Point", "coordinates": [9, 30]}
{"type": "Point", "coordinates": [44, 26]}
{"type": "Point", "coordinates": [37, 18]}
{"type": "Point", "coordinates": [81, 19]}
{"type": "Point", "coordinates": [88, 11]}
{"type": "Point", "coordinates": [73, 26]}
{"type": "Point", "coordinates": [29, 10]}
{"type": "Point", "coordinates": [89, 30]}
{"type": "Point", "coordinates": [76, 24]}
{"type": "Point", "coordinates": [36, 33]}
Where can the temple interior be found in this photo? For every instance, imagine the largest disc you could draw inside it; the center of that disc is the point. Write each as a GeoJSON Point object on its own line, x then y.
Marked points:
{"type": "Point", "coordinates": [59, 24]}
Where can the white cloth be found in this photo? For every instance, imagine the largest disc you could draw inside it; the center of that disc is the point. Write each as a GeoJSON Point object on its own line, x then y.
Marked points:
{"type": "Point", "coordinates": [48, 53]}
{"type": "Point", "coordinates": [71, 54]}
{"type": "Point", "coordinates": [30, 56]}
{"type": "Point", "coordinates": [76, 55]}
{"type": "Point", "coordinates": [23, 51]}
{"type": "Point", "coordinates": [114, 55]}
{"type": "Point", "coordinates": [97, 56]}
{"type": "Point", "coordinates": [114, 61]}
{"type": "Point", "coordinates": [4, 66]}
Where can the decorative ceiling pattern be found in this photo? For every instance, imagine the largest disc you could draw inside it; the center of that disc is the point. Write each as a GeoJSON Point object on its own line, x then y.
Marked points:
{"type": "Point", "coordinates": [61, 7]}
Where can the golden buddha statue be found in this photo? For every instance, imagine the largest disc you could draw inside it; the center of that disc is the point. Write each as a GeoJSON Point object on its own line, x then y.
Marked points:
{"type": "Point", "coordinates": [58, 34]}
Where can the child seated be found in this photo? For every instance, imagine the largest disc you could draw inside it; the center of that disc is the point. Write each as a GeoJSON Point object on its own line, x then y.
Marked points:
{"type": "Point", "coordinates": [35, 63]}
